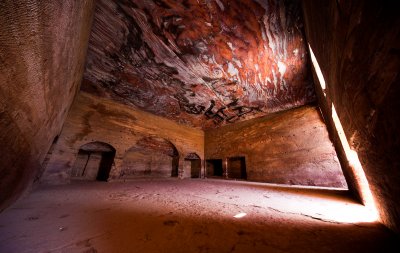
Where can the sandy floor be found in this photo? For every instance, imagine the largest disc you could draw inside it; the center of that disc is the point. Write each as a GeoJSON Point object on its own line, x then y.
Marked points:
{"type": "Point", "coordinates": [173, 215]}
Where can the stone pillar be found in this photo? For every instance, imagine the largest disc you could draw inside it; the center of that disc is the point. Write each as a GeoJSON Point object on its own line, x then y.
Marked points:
{"type": "Point", "coordinates": [225, 168]}
{"type": "Point", "coordinates": [187, 168]}
{"type": "Point", "coordinates": [181, 168]}
{"type": "Point", "coordinates": [203, 169]}
{"type": "Point", "coordinates": [116, 169]}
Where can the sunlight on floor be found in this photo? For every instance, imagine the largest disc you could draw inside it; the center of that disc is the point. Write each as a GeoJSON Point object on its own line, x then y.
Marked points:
{"type": "Point", "coordinates": [240, 215]}
{"type": "Point", "coordinates": [186, 216]}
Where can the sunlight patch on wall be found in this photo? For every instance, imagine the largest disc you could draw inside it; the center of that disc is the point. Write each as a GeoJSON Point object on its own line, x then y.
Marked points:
{"type": "Point", "coordinates": [317, 70]}
{"type": "Point", "coordinates": [350, 153]}
{"type": "Point", "coordinates": [355, 164]}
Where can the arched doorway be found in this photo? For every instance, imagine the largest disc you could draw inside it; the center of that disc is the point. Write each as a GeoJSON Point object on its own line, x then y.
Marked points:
{"type": "Point", "coordinates": [93, 162]}
{"type": "Point", "coordinates": [151, 157]}
{"type": "Point", "coordinates": [193, 163]}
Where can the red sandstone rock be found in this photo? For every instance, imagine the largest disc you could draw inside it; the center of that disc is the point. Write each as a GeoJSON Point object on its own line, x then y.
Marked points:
{"type": "Point", "coordinates": [204, 64]}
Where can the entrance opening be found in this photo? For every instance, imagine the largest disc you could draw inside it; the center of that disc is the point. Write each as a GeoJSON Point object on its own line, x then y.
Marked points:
{"type": "Point", "coordinates": [151, 157]}
{"type": "Point", "coordinates": [195, 165]}
{"type": "Point", "coordinates": [237, 167]}
{"type": "Point", "coordinates": [214, 167]}
{"type": "Point", "coordinates": [94, 162]}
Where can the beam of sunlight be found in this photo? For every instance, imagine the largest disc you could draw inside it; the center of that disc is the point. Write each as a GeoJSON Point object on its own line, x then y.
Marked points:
{"type": "Point", "coordinates": [355, 164]}
{"type": "Point", "coordinates": [350, 153]}
{"type": "Point", "coordinates": [239, 215]}
{"type": "Point", "coordinates": [318, 71]}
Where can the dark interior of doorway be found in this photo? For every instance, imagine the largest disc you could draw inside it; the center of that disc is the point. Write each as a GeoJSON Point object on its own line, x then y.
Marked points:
{"type": "Point", "coordinates": [175, 166]}
{"type": "Point", "coordinates": [107, 159]}
{"type": "Point", "coordinates": [214, 168]}
{"type": "Point", "coordinates": [85, 157]}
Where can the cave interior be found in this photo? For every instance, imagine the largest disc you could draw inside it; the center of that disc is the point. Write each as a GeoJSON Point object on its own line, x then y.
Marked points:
{"type": "Point", "coordinates": [189, 97]}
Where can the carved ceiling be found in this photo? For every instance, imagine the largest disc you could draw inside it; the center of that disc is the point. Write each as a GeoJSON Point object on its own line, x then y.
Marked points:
{"type": "Point", "coordinates": [204, 63]}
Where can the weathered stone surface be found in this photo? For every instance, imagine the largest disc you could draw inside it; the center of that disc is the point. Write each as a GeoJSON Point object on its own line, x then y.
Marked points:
{"type": "Point", "coordinates": [357, 45]}
{"type": "Point", "coordinates": [151, 156]}
{"type": "Point", "coordinates": [42, 53]}
{"type": "Point", "coordinates": [202, 63]}
{"type": "Point", "coordinates": [139, 138]}
{"type": "Point", "coordinates": [290, 147]}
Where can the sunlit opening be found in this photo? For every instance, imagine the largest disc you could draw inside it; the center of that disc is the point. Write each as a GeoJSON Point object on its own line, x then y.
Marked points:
{"type": "Point", "coordinates": [239, 215]}
{"type": "Point", "coordinates": [355, 164]}
{"type": "Point", "coordinates": [317, 70]}
{"type": "Point", "coordinates": [351, 154]}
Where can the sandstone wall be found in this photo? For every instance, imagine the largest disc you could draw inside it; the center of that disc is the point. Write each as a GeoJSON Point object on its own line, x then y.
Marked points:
{"type": "Point", "coordinates": [357, 45]}
{"type": "Point", "coordinates": [125, 128]}
{"type": "Point", "coordinates": [291, 147]}
{"type": "Point", "coordinates": [43, 47]}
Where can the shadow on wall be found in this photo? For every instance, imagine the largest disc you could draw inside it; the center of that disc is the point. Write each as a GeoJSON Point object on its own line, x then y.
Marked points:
{"type": "Point", "coordinates": [94, 162]}
{"type": "Point", "coordinates": [150, 157]}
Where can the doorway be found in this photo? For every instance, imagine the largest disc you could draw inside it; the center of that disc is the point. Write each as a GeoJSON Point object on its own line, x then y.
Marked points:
{"type": "Point", "coordinates": [195, 165]}
{"type": "Point", "coordinates": [214, 168]}
{"type": "Point", "coordinates": [237, 167]}
{"type": "Point", "coordinates": [93, 162]}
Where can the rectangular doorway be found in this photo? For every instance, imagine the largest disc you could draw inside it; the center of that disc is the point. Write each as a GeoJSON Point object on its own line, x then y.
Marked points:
{"type": "Point", "coordinates": [237, 167]}
{"type": "Point", "coordinates": [214, 168]}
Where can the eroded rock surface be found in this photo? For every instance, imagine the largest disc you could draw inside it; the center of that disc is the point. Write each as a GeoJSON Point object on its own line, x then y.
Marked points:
{"type": "Point", "coordinates": [357, 45]}
{"type": "Point", "coordinates": [291, 147]}
{"type": "Point", "coordinates": [43, 47]}
{"type": "Point", "coordinates": [204, 63]}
